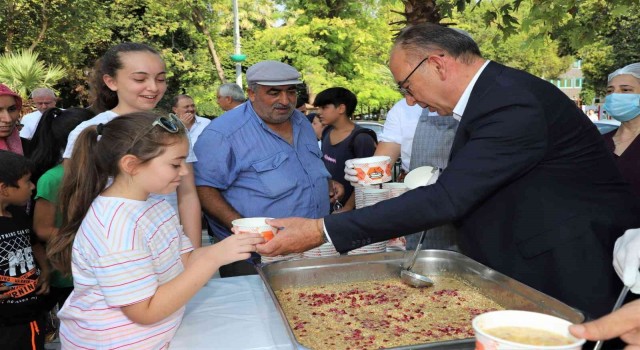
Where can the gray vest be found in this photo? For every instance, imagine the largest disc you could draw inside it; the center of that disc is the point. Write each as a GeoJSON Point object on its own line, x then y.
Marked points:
{"type": "Point", "coordinates": [431, 146]}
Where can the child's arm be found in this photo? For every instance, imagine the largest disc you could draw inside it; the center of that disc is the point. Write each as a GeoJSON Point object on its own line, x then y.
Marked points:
{"type": "Point", "coordinates": [201, 265]}
{"type": "Point", "coordinates": [44, 219]}
{"type": "Point", "coordinates": [40, 256]}
{"type": "Point", "coordinates": [350, 204]}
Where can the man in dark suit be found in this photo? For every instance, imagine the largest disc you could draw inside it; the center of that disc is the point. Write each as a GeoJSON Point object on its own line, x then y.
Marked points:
{"type": "Point", "coordinates": [530, 185]}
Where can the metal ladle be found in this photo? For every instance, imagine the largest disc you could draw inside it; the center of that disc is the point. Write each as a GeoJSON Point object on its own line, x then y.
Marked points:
{"type": "Point", "coordinates": [411, 278]}
{"type": "Point", "coordinates": [621, 297]}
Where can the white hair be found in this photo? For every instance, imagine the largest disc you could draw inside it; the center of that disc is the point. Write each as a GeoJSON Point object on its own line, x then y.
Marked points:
{"type": "Point", "coordinates": [42, 92]}
{"type": "Point", "coordinates": [232, 90]}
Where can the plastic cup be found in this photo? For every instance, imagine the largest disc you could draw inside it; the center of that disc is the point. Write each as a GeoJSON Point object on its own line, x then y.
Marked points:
{"type": "Point", "coordinates": [373, 170]}
{"type": "Point", "coordinates": [255, 225]}
{"type": "Point", "coordinates": [521, 319]}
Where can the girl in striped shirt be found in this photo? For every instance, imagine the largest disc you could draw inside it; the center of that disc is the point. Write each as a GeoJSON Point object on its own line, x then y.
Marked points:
{"type": "Point", "coordinates": [133, 268]}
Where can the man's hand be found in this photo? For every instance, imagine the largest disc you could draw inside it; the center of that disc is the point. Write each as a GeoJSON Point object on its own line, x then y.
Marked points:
{"type": "Point", "coordinates": [350, 173]}
{"type": "Point", "coordinates": [626, 259]}
{"type": "Point", "coordinates": [187, 118]}
{"type": "Point", "coordinates": [336, 191]}
{"type": "Point", "coordinates": [623, 323]}
{"type": "Point", "coordinates": [295, 235]}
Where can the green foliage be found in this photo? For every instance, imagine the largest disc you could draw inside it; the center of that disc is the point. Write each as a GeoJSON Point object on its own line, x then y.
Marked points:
{"type": "Point", "coordinates": [332, 42]}
{"type": "Point", "coordinates": [345, 44]}
{"type": "Point", "coordinates": [615, 43]}
{"type": "Point", "coordinates": [23, 72]}
{"type": "Point", "coordinates": [523, 50]}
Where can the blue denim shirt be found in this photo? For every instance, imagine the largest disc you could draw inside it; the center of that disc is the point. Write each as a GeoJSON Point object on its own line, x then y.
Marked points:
{"type": "Point", "coordinates": [257, 171]}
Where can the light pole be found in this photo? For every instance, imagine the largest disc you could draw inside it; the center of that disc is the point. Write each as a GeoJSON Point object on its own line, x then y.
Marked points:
{"type": "Point", "coordinates": [237, 57]}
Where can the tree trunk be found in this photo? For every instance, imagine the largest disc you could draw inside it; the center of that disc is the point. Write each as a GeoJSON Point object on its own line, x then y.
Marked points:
{"type": "Point", "coordinates": [11, 9]}
{"type": "Point", "coordinates": [420, 11]}
{"type": "Point", "coordinates": [199, 22]}
{"type": "Point", "coordinates": [43, 27]}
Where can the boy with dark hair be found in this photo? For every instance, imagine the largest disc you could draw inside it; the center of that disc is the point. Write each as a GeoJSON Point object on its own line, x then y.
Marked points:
{"type": "Point", "coordinates": [342, 139]}
{"type": "Point", "coordinates": [24, 269]}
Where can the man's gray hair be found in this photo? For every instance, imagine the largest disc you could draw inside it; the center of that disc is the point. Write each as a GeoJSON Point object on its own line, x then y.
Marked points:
{"type": "Point", "coordinates": [232, 90]}
{"type": "Point", "coordinates": [420, 38]}
{"type": "Point", "coordinates": [42, 92]}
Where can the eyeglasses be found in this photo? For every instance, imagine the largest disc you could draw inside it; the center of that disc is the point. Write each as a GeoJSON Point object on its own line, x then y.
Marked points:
{"type": "Point", "coordinates": [405, 91]}
{"type": "Point", "coordinates": [171, 124]}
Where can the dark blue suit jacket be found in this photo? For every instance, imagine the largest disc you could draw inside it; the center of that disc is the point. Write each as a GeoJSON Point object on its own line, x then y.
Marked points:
{"type": "Point", "coordinates": [530, 185]}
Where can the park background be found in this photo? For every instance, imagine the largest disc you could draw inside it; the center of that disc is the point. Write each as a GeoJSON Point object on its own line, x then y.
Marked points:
{"type": "Point", "coordinates": [55, 43]}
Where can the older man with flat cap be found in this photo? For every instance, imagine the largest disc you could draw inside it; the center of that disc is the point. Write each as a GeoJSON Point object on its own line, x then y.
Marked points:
{"type": "Point", "coordinates": [261, 159]}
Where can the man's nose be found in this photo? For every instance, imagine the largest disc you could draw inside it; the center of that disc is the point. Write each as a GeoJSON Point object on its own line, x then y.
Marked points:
{"type": "Point", "coordinates": [410, 100]}
{"type": "Point", "coordinates": [283, 98]}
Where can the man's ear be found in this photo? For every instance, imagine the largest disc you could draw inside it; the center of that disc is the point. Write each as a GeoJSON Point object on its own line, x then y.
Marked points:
{"type": "Point", "coordinates": [174, 110]}
{"type": "Point", "coordinates": [129, 164]}
{"type": "Point", "coordinates": [440, 64]}
{"type": "Point", "coordinates": [4, 189]}
{"type": "Point", "coordinates": [110, 82]}
{"type": "Point", "coordinates": [251, 94]}
{"type": "Point", "coordinates": [341, 108]}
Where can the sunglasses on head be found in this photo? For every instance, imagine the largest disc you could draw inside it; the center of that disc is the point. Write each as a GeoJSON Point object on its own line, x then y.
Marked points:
{"type": "Point", "coordinates": [170, 124]}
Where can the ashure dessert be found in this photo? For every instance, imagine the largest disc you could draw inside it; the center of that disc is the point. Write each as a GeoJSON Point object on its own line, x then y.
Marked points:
{"type": "Point", "coordinates": [382, 314]}
{"type": "Point", "coordinates": [529, 336]}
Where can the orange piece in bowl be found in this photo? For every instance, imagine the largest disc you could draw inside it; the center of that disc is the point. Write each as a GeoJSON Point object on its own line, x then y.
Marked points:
{"type": "Point", "coordinates": [268, 235]}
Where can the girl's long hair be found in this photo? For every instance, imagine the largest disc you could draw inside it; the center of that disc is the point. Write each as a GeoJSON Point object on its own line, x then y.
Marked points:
{"type": "Point", "coordinates": [103, 98]}
{"type": "Point", "coordinates": [50, 137]}
{"type": "Point", "coordinates": [94, 161]}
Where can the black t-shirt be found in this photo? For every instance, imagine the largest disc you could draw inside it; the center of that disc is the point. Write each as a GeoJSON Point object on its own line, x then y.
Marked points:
{"type": "Point", "coordinates": [18, 269]}
{"type": "Point", "coordinates": [334, 156]}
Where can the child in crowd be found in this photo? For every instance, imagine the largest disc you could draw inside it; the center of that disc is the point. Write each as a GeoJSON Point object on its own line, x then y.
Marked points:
{"type": "Point", "coordinates": [23, 266]}
{"type": "Point", "coordinates": [133, 268]}
{"type": "Point", "coordinates": [317, 126]}
{"type": "Point", "coordinates": [342, 139]}
{"type": "Point", "coordinates": [47, 145]}
{"type": "Point", "coordinates": [131, 77]}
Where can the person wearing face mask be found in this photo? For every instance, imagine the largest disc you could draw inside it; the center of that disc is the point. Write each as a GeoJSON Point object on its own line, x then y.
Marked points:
{"type": "Point", "coordinates": [623, 104]}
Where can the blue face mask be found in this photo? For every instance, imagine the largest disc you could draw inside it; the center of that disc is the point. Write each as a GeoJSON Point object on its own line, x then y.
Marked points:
{"type": "Point", "coordinates": [622, 107]}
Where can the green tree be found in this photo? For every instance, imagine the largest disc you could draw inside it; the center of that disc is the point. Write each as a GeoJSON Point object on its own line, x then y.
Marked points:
{"type": "Point", "coordinates": [523, 50]}
{"type": "Point", "coordinates": [337, 43]}
{"type": "Point", "coordinates": [615, 45]}
{"type": "Point", "coordinates": [23, 72]}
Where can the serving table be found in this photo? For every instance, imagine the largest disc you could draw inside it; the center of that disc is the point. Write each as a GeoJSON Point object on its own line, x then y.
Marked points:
{"type": "Point", "coordinates": [232, 313]}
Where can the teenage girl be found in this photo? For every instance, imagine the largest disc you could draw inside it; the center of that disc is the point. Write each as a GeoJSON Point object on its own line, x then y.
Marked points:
{"type": "Point", "coordinates": [131, 77]}
{"type": "Point", "coordinates": [133, 268]}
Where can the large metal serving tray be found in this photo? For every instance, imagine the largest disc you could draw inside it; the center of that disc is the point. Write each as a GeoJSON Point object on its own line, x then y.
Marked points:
{"type": "Point", "coordinates": [508, 292]}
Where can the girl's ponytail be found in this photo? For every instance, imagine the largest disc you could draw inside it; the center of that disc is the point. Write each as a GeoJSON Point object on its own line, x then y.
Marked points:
{"type": "Point", "coordinates": [82, 183]}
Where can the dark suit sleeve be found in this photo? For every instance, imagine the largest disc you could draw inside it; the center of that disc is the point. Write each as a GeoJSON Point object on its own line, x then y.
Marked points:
{"type": "Point", "coordinates": [505, 141]}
